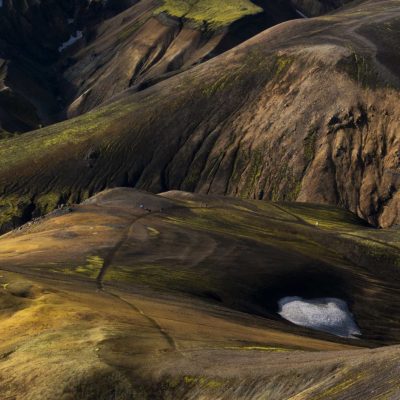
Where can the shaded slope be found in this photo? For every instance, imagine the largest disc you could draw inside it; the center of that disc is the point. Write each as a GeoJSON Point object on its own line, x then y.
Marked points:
{"type": "Point", "coordinates": [118, 44]}
{"type": "Point", "coordinates": [31, 33]}
{"type": "Point", "coordinates": [166, 324]}
{"type": "Point", "coordinates": [313, 8]}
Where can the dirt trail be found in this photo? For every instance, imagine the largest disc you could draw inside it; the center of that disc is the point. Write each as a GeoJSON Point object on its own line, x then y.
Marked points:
{"type": "Point", "coordinates": [108, 260]}
{"type": "Point", "coordinates": [169, 339]}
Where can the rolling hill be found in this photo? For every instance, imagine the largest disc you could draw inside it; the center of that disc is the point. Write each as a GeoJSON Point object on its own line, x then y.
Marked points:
{"type": "Point", "coordinates": [135, 295]}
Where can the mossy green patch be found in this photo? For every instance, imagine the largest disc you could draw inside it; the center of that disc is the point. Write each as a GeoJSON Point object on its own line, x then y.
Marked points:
{"type": "Point", "coordinates": [212, 14]}
{"type": "Point", "coordinates": [325, 217]}
{"type": "Point", "coordinates": [130, 29]}
{"type": "Point", "coordinates": [309, 144]}
{"type": "Point", "coordinates": [12, 208]}
{"type": "Point", "coordinates": [255, 67]}
{"type": "Point", "coordinates": [47, 203]}
{"type": "Point", "coordinates": [236, 223]}
{"type": "Point", "coordinates": [342, 387]}
{"type": "Point", "coordinates": [360, 68]}
{"type": "Point", "coordinates": [253, 172]}
{"type": "Point", "coordinates": [91, 269]}
{"type": "Point", "coordinates": [152, 231]}
{"type": "Point", "coordinates": [160, 276]}
{"type": "Point", "coordinates": [284, 184]}
{"type": "Point", "coordinates": [260, 348]}
{"type": "Point", "coordinates": [204, 382]}
{"type": "Point", "coordinates": [35, 144]}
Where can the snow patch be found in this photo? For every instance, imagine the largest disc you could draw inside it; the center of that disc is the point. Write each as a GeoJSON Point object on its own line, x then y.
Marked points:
{"type": "Point", "coordinates": [324, 314]}
{"type": "Point", "coordinates": [302, 15]}
{"type": "Point", "coordinates": [73, 39]}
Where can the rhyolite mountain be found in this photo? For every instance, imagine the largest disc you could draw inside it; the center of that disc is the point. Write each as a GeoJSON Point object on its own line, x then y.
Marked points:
{"type": "Point", "coordinates": [48, 74]}
{"type": "Point", "coordinates": [304, 111]}
{"type": "Point", "coordinates": [199, 199]}
{"type": "Point", "coordinates": [122, 43]}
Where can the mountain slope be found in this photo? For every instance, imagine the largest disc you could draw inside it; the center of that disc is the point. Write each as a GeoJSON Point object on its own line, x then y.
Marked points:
{"type": "Point", "coordinates": [313, 8]}
{"type": "Point", "coordinates": [98, 49]}
{"type": "Point", "coordinates": [304, 111]}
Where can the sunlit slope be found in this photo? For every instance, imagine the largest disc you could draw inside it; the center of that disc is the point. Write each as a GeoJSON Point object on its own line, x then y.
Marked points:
{"type": "Point", "coordinates": [216, 248]}
{"type": "Point", "coordinates": [175, 296]}
{"type": "Point", "coordinates": [210, 13]}
{"type": "Point", "coordinates": [112, 344]}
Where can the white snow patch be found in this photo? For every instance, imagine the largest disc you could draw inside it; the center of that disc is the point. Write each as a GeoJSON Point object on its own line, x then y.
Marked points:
{"type": "Point", "coordinates": [302, 15]}
{"type": "Point", "coordinates": [324, 314]}
{"type": "Point", "coordinates": [73, 39]}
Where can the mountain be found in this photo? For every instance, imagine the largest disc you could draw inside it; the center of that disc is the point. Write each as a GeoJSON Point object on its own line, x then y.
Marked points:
{"type": "Point", "coordinates": [199, 199]}
{"type": "Point", "coordinates": [303, 111]}
{"type": "Point", "coordinates": [98, 49]}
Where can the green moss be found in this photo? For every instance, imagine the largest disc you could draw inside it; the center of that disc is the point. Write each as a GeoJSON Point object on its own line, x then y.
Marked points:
{"type": "Point", "coordinates": [342, 387]}
{"type": "Point", "coordinates": [5, 134]}
{"type": "Point", "coordinates": [159, 276]}
{"type": "Point", "coordinates": [255, 68]}
{"type": "Point", "coordinates": [285, 185]}
{"type": "Point", "coordinates": [12, 208]}
{"type": "Point", "coordinates": [243, 225]}
{"type": "Point", "coordinates": [253, 172]}
{"type": "Point", "coordinates": [283, 63]}
{"type": "Point", "coordinates": [47, 202]}
{"type": "Point", "coordinates": [152, 231]}
{"type": "Point", "coordinates": [375, 250]}
{"type": "Point", "coordinates": [309, 144]}
{"type": "Point", "coordinates": [91, 269]}
{"type": "Point", "coordinates": [203, 382]}
{"type": "Point", "coordinates": [129, 30]}
{"type": "Point", "coordinates": [260, 348]}
{"type": "Point", "coordinates": [212, 14]}
{"type": "Point", "coordinates": [325, 217]}
{"type": "Point", "coordinates": [84, 195]}
{"type": "Point", "coordinates": [360, 69]}
{"type": "Point", "coordinates": [32, 145]}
